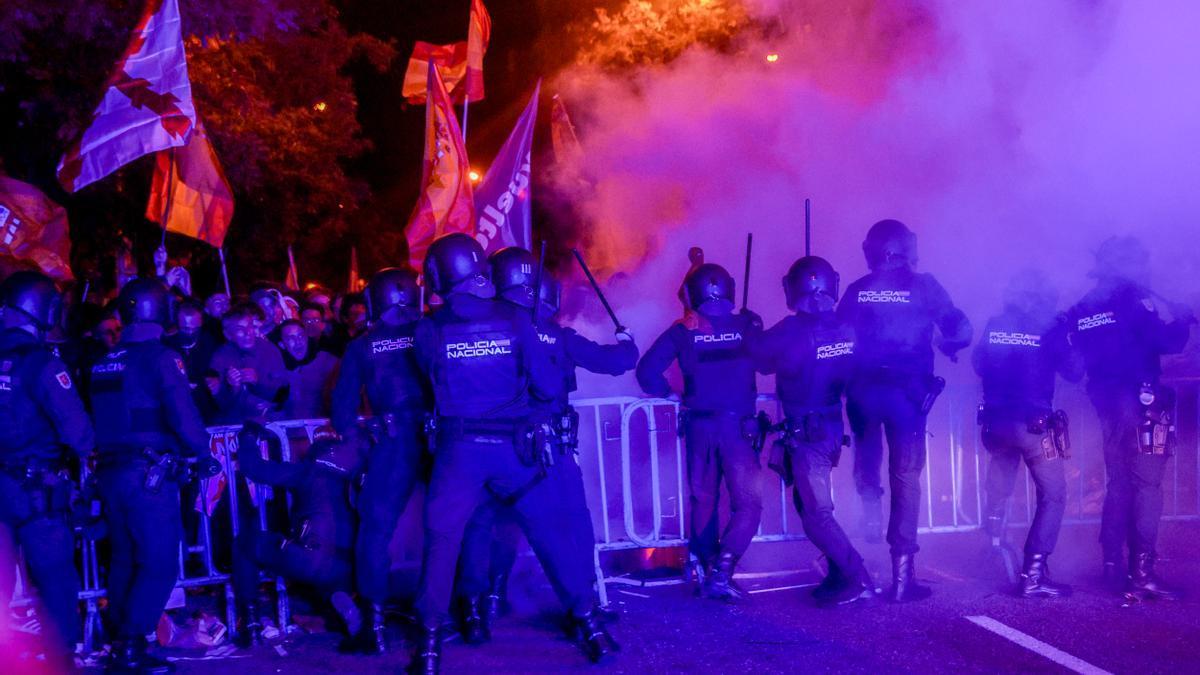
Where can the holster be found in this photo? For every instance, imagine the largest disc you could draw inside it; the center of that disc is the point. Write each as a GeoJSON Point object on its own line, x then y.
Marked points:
{"type": "Point", "coordinates": [928, 388]}
{"type": "Point", "coordinates": [161, 467]}
{"type": "Point", "coordinates": [48, 489]}
{"type": "Point", "coordinates": [566, 430]}
{"type": "Point", "coordinates": [1156, 430]}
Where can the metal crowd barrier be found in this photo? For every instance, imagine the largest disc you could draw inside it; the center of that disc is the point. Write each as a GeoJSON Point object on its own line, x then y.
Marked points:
{"type": "Point", "coordinates": [637, 440]}
{"type": "Point", "coordinates": [223, 445]}
{"type": "Point", "coordinates": [634, 466]}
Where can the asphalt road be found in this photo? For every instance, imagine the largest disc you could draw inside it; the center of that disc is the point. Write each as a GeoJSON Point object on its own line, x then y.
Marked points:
{"type": "Point", "coordinates": [665, 628]}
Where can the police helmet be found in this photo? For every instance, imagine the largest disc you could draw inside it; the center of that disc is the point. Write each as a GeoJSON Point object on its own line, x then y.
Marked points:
{"type": "Point", "coordinates": [146, 301]}
{"type": "Point", "coordinates": [890, 245]}
{"type": "Point", "coordinates": [708, 283]}
{"type": "Point", "coordinates": [1030, 291]}
{"type": "Point", "coordinates": [392, 287]}
{"type": "Point", "coordinates": [809, 276]}
{"type": "Point", "coordinates": [34, 295]}
{"type": "Point", "coordinates": [513, 272]}
{"type": "Point", "coordinates": [456, 263]}
{"type": "Point", "coordinates": [1122, 257]}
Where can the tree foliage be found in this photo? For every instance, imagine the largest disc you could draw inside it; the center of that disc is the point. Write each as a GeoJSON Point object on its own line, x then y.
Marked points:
{"type": "Point", "coordinates": [270, 82]}
{"type": "Point", "coordinates": [642, 32]}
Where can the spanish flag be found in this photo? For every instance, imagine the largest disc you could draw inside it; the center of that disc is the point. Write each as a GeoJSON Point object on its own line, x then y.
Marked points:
{"type": "Point", "coordinates": [189, 192]}
{"type": "Point", "coordinates": [446, 203]}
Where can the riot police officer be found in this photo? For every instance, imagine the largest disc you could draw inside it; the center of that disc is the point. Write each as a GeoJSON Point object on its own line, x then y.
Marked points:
{"type": "Point", "coordinates": [894, 311]}
{"type": "Point", "coordinates": [485, 562]}
{"type": "Point", "coordinates": [146, 426]}
{"type": "Point", "coordinates": [485, 365]}
{"type": "Point", "coordinates": [383, 362]}
{"type": "Point", "coordinates": [43, 421]}
{"type": "Point", "coordinates": [811, 354]}
{"type": "Point", "coordinates": [719, 404]}
{"type": "Point", "coordinates": [1118, 328]}
{"type": "Point", "coordinates": [319, 550]}
{"type": "Point", "coordinates": [1017, 356]}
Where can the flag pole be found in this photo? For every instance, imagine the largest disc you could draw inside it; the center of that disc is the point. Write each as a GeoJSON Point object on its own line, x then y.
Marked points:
{"type": "Point", "coordinates": [224, 271]}
{"type": "Point", "coordinates": [807, 227]}
{"type": "Point", "coordinates": [292, 268]}
{"type": "Point", "coordinates": [466, 103]}
{"type": "Point", "coordinates": [166, 214]}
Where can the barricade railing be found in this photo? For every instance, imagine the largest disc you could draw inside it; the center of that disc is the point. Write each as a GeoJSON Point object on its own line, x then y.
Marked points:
{"type": "Point", "coordinates": [223, 445]}
{"type": "Point", "coordinates": [651, 462]}
{"type": "Point", "coordinates": [634, 463]}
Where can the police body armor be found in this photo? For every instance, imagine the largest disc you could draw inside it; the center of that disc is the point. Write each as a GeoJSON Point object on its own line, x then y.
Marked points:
{"type": "Point", "coordinates": [24, 428]}
{"type": "Point", "coordinates": [479, 380]}
{"type": "Point", "coordinates": [395, 382]}
{"type": "Point", "coordinates": [130, 424]}
{"type": "Point", "coordinates": [719, 360]}
{"type": "Point", "coordinates": [28, 453]}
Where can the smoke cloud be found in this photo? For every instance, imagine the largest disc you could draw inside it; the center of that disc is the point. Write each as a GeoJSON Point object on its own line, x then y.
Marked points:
{"type": "Point", "coordinates": [1007, 135]}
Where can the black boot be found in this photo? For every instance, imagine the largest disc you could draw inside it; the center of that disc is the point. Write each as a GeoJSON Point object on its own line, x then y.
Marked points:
{"type": "Point", "coordinates": [696, 571]}
{"type": "Point", "coordinates": [347, 609]}
{"type": "Point", "coordinates": [474, 627]}
{"type": "Point", "coordinates": [904, 581]}
{"type": "Point", "coordinates": [720, 584]}
{"type": "Point", "coordinates": [1144, 584]}
{"type": "Point", "coordinates": [495, 604]}
{"type": "Point", "coordinates": [1115, 577]}
{"type": "Point", "coordinates": [131, 656]}
{"type": "Point", "coordinates": [595, 641]}
{"type": "Point", "coordinates": [250, 632]}
{"type": "Point", "coordinates": [427, 659]}
{"type": "Point", "coordinates": [855, 588]}
{"type": "Point", "coordinates": [834, 580]}
{"type": "Point", "coordinates": [1035, 580]}
{"type": "Point", "coordinates": [375, 631]}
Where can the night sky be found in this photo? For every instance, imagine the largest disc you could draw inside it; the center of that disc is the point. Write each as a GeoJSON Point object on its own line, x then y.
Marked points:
{"type": "Point", "coordinates": [529, 40]}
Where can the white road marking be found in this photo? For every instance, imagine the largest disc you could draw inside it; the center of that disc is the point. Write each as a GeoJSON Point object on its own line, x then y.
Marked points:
{"type": "Point", "coordinates": [780, 588]}
{"type": "Point", "coordinates": [636, 595]}
{"type": "Point", "coordinates": [1036, 646]}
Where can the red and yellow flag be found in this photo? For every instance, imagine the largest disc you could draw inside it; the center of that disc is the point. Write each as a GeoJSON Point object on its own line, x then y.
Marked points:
{"type": "Point", "coordinates": [190, 192]}
{"type": "Point", "coordinates": [33, 229]}
{"type": "Point", "coordinates": [451, 62]}
{"type": "Point", "coordinates": [460, 64]}
{"type": "Point", "coordinates": [478, 37]}
{"type": "Point", "coordinates": [446, 204]}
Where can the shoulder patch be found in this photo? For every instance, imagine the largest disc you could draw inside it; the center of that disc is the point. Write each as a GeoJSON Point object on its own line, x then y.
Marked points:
{"type": "Point", "coordinates": [64, 380]}
{"type": "Point", "coordinates": [179, 365]}
{"type": "Point", "coordinates": [1149, 305]}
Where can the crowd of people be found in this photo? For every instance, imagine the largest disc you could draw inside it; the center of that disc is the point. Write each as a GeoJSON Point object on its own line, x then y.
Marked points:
{"type": "Point", "coordinates": [471, 398]}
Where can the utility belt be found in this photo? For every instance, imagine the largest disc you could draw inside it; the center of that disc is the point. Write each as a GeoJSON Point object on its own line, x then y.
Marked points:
{"type": "Point", "coordinates": [532, 439]}
{"type": "Point", "coordinates": [47, 484]}
{"type": "Point", "coordinates": [923, 389]}
{"type": "Point", "coordinates": [748, 424]}
{"type": "Point", "coordinates": [392, 423]}
{"type": "Point", "coordinates": [798, 431]}
{"type": "Point", "coordinates": [160, 467]}
{"type": "Point", "coordinates": [566, 429]}
{"type": "Point", "coordinates": [1051, 426]}
{"type": "Point", "coordinates": [1156, 425]}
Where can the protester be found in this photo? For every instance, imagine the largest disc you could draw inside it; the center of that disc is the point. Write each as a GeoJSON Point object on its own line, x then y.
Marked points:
{"type": "Point", "coordinates": [308, 371]}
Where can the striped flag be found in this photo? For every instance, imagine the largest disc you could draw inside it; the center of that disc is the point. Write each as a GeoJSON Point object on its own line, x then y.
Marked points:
{"type": "Point", "coordinates": [446, 204]}
{"type": "Point", "coordinates": [147, 103]}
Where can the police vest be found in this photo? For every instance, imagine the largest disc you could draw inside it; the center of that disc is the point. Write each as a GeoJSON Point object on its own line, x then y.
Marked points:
{"type": "Point", "coordinates": [393, 381]}
{"type": "Point", "coordinates": [127, 411]}
{"type": "Point", "coordinates": [1017, 367]}
{"type": "Point", "coordinates": [816, 374]}
{"type": "Point", "coordinates": [718, 373]}
{"type": "Point", "coordinates": [24, 431]}
{"type": "Point", "coordinates": [477, 365]}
